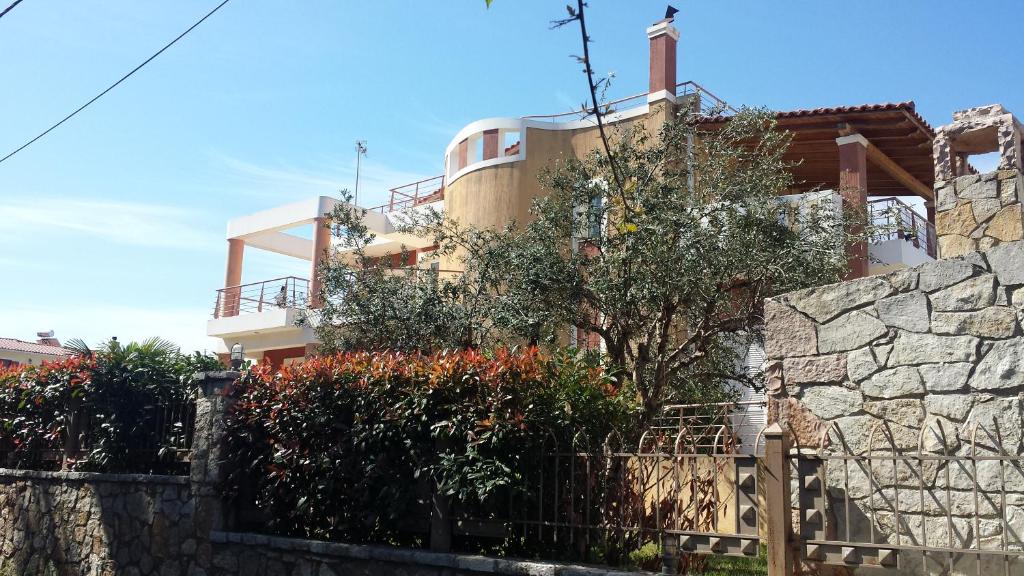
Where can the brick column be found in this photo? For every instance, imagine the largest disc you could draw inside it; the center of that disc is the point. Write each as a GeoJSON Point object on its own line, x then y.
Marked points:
{"type": "Point", "coordinates": [321, 248]}
{"type": "Point", "coordinates": [663, 37]}
{"type": "Point", "coordinates": [853, 185]}
{"type": "Point", "coordinates": [233, 277]}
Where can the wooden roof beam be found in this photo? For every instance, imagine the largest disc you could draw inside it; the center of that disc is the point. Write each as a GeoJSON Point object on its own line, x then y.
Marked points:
{"type": "Point", "coordinates": [879, 159]}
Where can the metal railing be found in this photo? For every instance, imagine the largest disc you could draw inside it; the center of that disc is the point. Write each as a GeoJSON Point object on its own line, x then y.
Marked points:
{"type": "Point", "coordinates": [709, 104]}
{"type": "Point", "coordinates": [284, 292]}
{"type": "Point", "coordinates": [408, 195]}
{"type": "Point", "coordinates": [892, 219]}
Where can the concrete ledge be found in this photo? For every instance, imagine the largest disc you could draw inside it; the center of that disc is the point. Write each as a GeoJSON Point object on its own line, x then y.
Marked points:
{"type": "Point", "coordinates": [461, 562]}
{"type": "Point", "coordinates": [91, 477]}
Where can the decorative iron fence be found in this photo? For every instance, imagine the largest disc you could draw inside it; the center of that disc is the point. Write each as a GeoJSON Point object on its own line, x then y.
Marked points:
{"type": "Point", "coordinates": [934, 500]}
{"type": "Point", "coordinates": [158, 440]}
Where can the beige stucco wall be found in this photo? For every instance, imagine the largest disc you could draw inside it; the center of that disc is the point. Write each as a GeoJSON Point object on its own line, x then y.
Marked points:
{"type": "Point", "coordinates": [494, 196]}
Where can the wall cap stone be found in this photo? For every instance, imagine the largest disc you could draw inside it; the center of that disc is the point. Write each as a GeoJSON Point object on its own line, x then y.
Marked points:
{"type": "Point", "coordinates": [90, 477]}
{"type": "Point", "coordinates": [465, 562]}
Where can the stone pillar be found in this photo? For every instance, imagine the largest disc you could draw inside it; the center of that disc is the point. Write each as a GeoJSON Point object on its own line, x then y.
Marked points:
{"type": "Point", "coordinates": [231, 296]}
{"type": "Point", "coordinates": [321, 252]}
{"type": "Point", "coordinates": [207, 455]}
{"type": "Point", "coordinates": [853, 185]}
{"type": "Point", "coordinates": [978, 211]}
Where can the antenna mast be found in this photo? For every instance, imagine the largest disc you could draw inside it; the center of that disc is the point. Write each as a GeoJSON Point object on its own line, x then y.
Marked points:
{"type": "Point", "coordinates": [360, 151]}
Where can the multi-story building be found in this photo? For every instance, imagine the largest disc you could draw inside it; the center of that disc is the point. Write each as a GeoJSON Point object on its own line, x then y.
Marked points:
{"type": "Point", "coordinates": [875, 154]}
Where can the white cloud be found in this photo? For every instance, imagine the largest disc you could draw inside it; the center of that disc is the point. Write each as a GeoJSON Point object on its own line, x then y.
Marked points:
{"type": "Point", "coordinates": [130, 223]}
{"type": "Point", "coordinates": [288, 181]}
{"type": "Point", "coordinates": [94, 324]}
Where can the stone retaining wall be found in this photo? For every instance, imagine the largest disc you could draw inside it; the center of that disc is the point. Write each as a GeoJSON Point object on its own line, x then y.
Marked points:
{"type": "Point", "coordinates": [937, 348]}
{"type": "Point", "coordinates": [76, 523]}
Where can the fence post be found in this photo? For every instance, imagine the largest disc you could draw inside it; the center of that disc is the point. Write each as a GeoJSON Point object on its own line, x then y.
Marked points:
{"type": "Point", "coordinates": [778, 519]}
{"type": "Point", "coordinates": [207, 452]}
{"type": "Point", "coordinates": [669, 554]}
{"type": "Point", "coordinates": [440, 510]}
{"type": "Point", "coordinates": [72, 431]}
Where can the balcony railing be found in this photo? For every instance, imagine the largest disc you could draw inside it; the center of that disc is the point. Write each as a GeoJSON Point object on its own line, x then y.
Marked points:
{"type": "Point", "coordinates": [409, 195]}
{"type": "Point", "coordinates": [894, 220]}
{"type": "Point", "coordinates": [286, 292]}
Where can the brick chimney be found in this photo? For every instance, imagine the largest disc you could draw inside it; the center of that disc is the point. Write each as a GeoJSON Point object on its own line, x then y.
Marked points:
{"type": "Point", "coordinates": [663, 36]}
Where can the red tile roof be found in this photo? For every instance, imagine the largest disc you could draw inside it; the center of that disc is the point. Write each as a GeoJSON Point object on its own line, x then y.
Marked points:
{"type": "Point", "coordinates": [907, 106]}
{"type": "Point", "coordinates": [32, 347]}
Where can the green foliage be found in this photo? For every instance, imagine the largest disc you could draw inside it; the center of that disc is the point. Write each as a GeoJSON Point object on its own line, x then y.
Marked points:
{"type": "Point", "coordinates": [669, 268]}
{"type": "Point", "coordinates": [116, 389]}
{"type": "Point", "coordinates": [347, 446]}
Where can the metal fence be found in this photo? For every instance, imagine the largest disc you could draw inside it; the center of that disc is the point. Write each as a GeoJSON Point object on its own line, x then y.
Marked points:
{"type": "Point", "coordinates": [931, 500]}
{"type": "Point", "coordinates": [157, 439]}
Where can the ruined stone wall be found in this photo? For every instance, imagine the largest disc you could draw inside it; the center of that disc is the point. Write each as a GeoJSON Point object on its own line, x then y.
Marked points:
{"type": "Point", "coordinates": [906, 362]}
{"type": "Point", "coordinates": [978, 211]}
{"type": "Point", "coordinates": [76, 523]}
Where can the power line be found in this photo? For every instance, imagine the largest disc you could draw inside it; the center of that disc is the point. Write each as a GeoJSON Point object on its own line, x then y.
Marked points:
{"type": "Point", "coordinates": [9, 8]}
{"type": "Point", "coordinates": [114, 85]}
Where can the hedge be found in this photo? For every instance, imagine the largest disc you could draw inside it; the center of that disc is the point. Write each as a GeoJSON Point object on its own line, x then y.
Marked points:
{"type": "Point", "coordinates": [346, 447]}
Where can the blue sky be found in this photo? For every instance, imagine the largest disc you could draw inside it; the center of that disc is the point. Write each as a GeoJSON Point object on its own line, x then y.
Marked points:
{"type": "Point", "coordinates": [114, 223]}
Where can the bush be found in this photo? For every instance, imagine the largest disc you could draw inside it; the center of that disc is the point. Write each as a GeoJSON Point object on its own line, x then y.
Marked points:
{"type": "Point", "coordinates": [344, 447]}
{"type": "Point", "coordinates": [120, 391]}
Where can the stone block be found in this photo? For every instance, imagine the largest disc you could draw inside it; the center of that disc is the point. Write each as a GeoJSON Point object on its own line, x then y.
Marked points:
{"type": "Point", "coordinates": [984, 208]}
{"type": "Point", "coordinates": [945, 197]}
{"type": "Point", "coordinates": [829, 402]}
{"type": "Point", "coordinates": [959, 221]}
{"type": "Point", "coordinates": [971, 294]}
{"type": "Point", "coordinates": [952, 245]}
{"type": "Point", "coordinates": [826, 302]}
{"type": "Point", "coordinates": [1010, 189]}
{"type": "Point", "coordinates": [903, 280]}
{"type": "Point", "coordinates": [787, 332]}
{"type": "Point", "coordinates": [907, 311]}
{"type": "Point", "coordinates": [860, 364]}
{"type": "Point", "coordinates": [962, 183]}
{"type": "Point", "coordinates": [1002, 367]}
{"type": "Point", "coordinates": [894, 383]}
{"type": "Point", "coordinates": [903, 411]}
{"type": "Point", "coordinates": [944, 273]}
{"type": "Point", "coordinates": [848, 332]}
{"type": "Point", "coordinates": [952, 406]}
{"type": "Point", "coordinates": [982, 189]}
{"type": "Point", "coordinates": [1007, 261]}
{"type": "Point", "coordinates": [1006, 226]}
{"type": "Point", "coordinates": [991, 322]}
{"type": "Point", "coordinates": [912, 348]}
{"type": "Point", "coordinates": [825, 369]}
{"type": "Point", "coordinates": [945, 377]}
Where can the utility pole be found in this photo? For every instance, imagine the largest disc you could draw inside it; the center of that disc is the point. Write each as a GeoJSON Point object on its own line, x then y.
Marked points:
{"type": "Point", "coordinates": [360, 151]}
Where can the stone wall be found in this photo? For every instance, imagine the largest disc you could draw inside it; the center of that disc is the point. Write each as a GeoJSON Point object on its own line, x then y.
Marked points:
{"type": "Point", "coordinates": [76, 523]}
{"type": "Point", "coordinates": [871, 363]}
{"type": "Point", "coordinates": [978, 211]}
